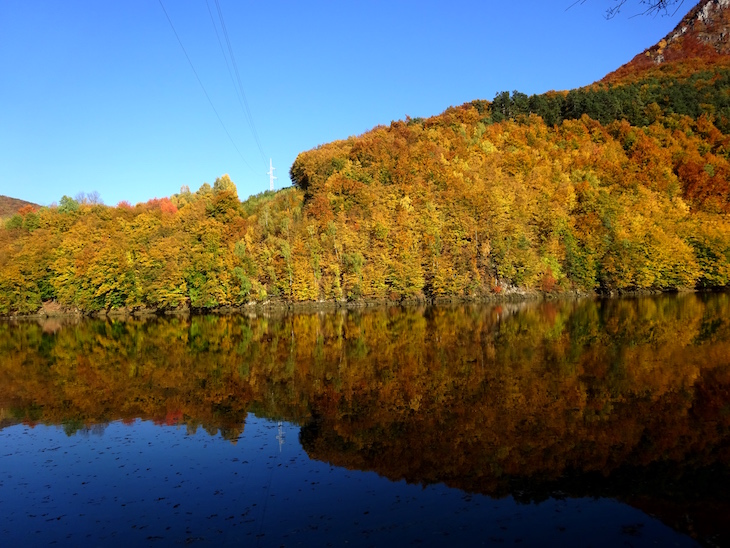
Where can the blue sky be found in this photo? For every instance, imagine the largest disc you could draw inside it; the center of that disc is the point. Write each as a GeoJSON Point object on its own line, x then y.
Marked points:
{"type": "Point", "coordinates": [98, 96]}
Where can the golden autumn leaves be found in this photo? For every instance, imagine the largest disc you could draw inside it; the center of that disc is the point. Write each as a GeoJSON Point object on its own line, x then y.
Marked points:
{"type": "Point", "coordinates": [454, 206]}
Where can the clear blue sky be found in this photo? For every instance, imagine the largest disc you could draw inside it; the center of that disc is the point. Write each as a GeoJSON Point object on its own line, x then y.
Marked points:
{"type": "Point", "coordinates": [98, 96]}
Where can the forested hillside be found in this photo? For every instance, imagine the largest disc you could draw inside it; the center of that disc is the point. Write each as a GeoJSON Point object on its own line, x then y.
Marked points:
{"type": "Point", "coordinates": [622, 185]}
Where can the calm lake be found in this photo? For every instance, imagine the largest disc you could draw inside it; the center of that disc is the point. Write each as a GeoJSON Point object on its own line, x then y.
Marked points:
{"type": "Point", "coordinates": [575, 423]}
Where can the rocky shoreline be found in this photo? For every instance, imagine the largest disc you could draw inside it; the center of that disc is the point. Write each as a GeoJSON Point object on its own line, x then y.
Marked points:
{"type": "Point", "coordinates": [53, 310]}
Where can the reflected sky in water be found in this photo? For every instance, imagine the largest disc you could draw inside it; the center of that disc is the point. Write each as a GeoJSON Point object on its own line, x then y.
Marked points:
{"type": "Point", "coordinates": [143, 483]}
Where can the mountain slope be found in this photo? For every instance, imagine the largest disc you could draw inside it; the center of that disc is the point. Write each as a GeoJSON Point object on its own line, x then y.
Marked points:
{"type": "Point", "coordinates": [9, 206]}
{"type": "Point", "coordinates": [701, 39]}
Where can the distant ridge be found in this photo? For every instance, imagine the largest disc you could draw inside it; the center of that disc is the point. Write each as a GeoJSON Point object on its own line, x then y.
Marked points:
{"type": "Point", "coordinates": [703, 34]}
{"type": "Point", "coordinates": [9, 206]}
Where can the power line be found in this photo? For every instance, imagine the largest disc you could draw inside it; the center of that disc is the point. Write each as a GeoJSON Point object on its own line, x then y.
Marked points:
{"type": "Point", "coordinates": [203, 87]}
{"type": "Point", "coordinates": [242, 94]}
{"type": "Point", "coordinates": [225, 57]}
{"type": "Point", "coordinates": [247, 110]}
{"type": "Point", "coordinates": [238, 91]}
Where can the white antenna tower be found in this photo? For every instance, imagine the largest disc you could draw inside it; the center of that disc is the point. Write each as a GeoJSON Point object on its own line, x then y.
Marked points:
{"type": "Point", "coordinates": [271, 175]}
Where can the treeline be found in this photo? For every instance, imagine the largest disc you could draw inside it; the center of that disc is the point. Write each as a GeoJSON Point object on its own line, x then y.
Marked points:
{"type": "Point", "coordinates": [640, 102]}
{"type": "Point", "coordinates": [201, 249]}
{"type": "Point", "coordinates": [600, 191]}
{"type": "Point", "coordinates": [448, 207]}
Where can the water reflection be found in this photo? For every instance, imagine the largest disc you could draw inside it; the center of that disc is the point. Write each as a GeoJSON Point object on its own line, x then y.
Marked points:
{"type": "Point", "coordinates": [628, 399]}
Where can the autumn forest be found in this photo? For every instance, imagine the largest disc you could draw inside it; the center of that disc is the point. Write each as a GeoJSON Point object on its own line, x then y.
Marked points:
{"type": "Point", "coordinates": [619, 186]}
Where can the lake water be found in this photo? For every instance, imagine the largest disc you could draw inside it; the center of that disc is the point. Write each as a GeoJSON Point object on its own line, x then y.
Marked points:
{"type": "Point", "coordinates": [576, 423]}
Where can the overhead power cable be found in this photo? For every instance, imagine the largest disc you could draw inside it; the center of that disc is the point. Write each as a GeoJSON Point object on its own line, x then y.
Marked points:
{"type": "Point", "coordinates": [223, 53]}
{"type": "Point", "coordinates": [247, 110]}
{"type": "Point", "coordinates": [241, 100]}
{"type": "Point", "coordinates": [203, 87]}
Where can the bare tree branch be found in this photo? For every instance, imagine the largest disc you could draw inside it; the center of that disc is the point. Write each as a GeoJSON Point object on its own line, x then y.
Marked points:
{"type": "Point", "coordinates": [650, 7]}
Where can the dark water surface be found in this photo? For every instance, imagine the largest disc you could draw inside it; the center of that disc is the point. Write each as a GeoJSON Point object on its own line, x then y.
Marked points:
{"type": "Point", "coordinates": [587, 423]}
